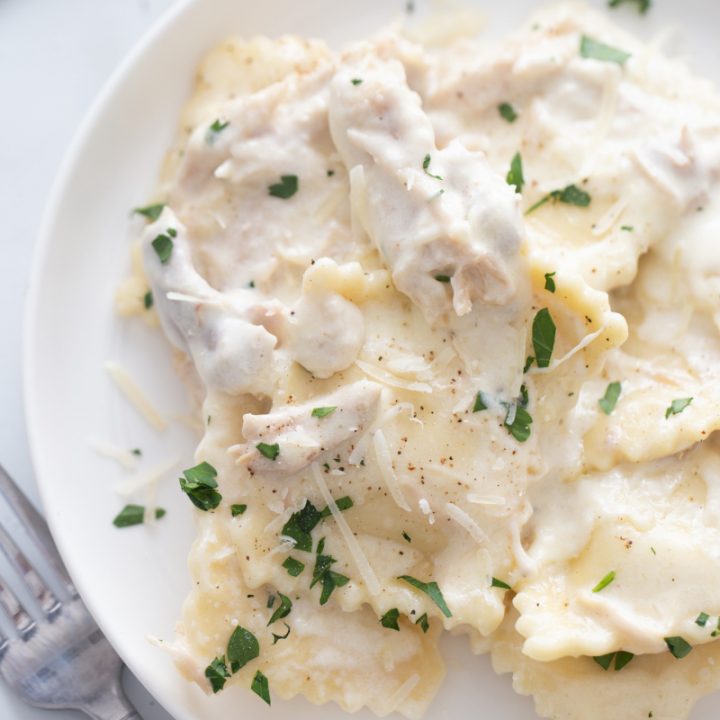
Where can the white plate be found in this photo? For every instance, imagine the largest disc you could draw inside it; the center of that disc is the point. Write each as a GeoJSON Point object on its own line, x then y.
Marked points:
{"type": "Point", "coordinates": [134, 580]}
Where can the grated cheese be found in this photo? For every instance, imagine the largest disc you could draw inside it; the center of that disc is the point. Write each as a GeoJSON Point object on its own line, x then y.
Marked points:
{"type": "Point", "coordinates": [384, 461]}
{"type": "Point", "coordinates": [391, 380]}
{"type": "Point", "coordinates": [425, 508]}
{"type": "Point", "coordinates": [466, 523]}
{"type": "Point", "coordinates": [556, 363]}
{"type": "Point", "coordinates": [135, 395]}
{"type": "Point", "coordinates": [120, 455]}
{"type": "Point", "coordinates": [363, 566]}
{"type": "Point", "coordinates": [145, 479]}
{"type": "Point", "coordinates": [403, 692]}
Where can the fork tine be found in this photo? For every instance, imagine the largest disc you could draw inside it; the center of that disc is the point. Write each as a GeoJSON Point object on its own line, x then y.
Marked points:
{"type": "Point", "coordinates": [16, 612]}
{"type": "Point", "coordinates": [35, 524]}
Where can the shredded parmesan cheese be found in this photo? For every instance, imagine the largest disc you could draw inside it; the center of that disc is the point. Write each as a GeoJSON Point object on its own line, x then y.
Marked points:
{"type": "Point", "coordinates": [145, 479]}
{"type": "Point", "coordinates": [466, 523]}
{"type": "Point", "coordinates": [120, 455]}
{"type": "Point", "coordinates": [425, 508]}
{"type": "Point", "coordinates": [403, 692]}
{"type": "Point", "coordinates": [391, 380]}
{"type": "Point", "coordinates": [135, 395]}
{"type": "Point", "coordinates": [556, 363]}
{"type": "Point", "coordinates": [384, 461]}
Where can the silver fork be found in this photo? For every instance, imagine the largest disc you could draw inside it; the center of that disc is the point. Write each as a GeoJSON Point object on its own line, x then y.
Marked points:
{"type": "Point", "coordinates": [59, 658]}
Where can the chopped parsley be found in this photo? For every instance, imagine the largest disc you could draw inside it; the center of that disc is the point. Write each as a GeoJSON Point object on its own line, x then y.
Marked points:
{"type": "Point", "coordinates": [507, 112]}
{"type": "Point", "coordinates": [281, 637]}
{"type": "Point", "coordinates": [499, 584]}
{"type": "Point", "coordinates": [432, 590]}
{"type": "Point", "coordinates": [217, 673]}
{"type": "Point", "coordinates": [283, 610]}
{"type": "Point", "coordinates": [151, 212]}
{"type": "Point", "coordinates": [518, 421]}
{"type": "Point", "coordinates": [627, 228]}
{"type": "Point", "coordinates": [390, 619]}
{"type": "Point", "coordinates": [604, 661]}
{"type": "Point", "coordinates": [524, 398]}
{"type": "Point", "coordinates": [356, 81]}
{"type": "Point", "coordinates": [271, 452]}
{"type": "Point", "coordinates": [406, 537]}
{"type": "Point", "coordinates": [301, 524]}
{"type": "Point", "coordinates": [550, 281]}
{"type": "Point", "coordinates": [443, 278]}
{"type": "Point", "coordinates": [678, 646]}
{"type": "Point", "coordinates": [677, 406]}
{"type": "Point", "coordinates": [148, 300]}
{"type": "Point", "coordinates": [343, 503]}
{"type": "Point", "coordinates": [621, 658]}
{"type": "Point", "coordinates": [642, 5]}
{"type": "Point", "coordinates": [286, 188]}
{"type": "Point", "coordinates": [242, 648]}
{"type": "Point", "coordinates": [323, 574]}
{"type": "Point", "coordinates": [163, 247]}
{"type": "Point", "coordinates": [199, 485]}
{"type": "Point", "coordinates": [608, 402]}
{"type": "Point", "coordinates": [594, 50]}
{"type": "Point", "coordinates": [321, 412]}
{"type": "Point", "coordinates": [702, 619]}
{"type": "Point", "coordinates": [479, 403]}
{"type": "Point", "coordinates": [134, 515]}
{"type": "Point", "coordinates": [543, 337]}
{"type": "Point", "coordinates": [515, 174]}
{"type": "Point", "coordinates": [571, 195]}
{"type": "Point", "coordinates": [422, 621]}
{"type": "Point", "coordinates": [293, 566]}
{"type": "Point", "coordinates": [260, 687]}
{"type": "Point", "coordinates": [136, 451]}
{"type": "Point", "coordinates": [236, 510]}
{"type": "Point", "coordinates": [528, 363]}
{"type": "Point", "coordinates": [214, 130]}
{"type": "Point", "coordinates": [426, 165]}
{"type": "Point", "coordinates": [604, 582]}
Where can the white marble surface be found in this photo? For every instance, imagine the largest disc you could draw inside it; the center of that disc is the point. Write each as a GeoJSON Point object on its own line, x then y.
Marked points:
{"type": "Point", "coordinates": [55, 55]}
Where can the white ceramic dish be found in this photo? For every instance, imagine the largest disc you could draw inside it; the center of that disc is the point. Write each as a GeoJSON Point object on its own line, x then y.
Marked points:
{"type": "Point", "coordinates": [134, 581]}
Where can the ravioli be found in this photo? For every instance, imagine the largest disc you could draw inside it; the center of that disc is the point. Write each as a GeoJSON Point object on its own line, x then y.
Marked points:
{"type": "Point", "coordinates": [400, 349]}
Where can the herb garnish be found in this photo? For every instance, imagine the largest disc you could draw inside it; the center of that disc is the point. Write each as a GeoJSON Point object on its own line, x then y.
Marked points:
{"type": "Point", "coordinates": [678, 646]}
{"type": "Point", "coordinates": [242, 648]}
{"type": "Point", "coordinates": [426, 165]}
{"type": "Point", "coordinates": [406, 537]}
{"type": "Point", "coordinates": [571, 195]}
{"type": "Point", "coordinates": [217, 673]}
{"type": "Point", "coordinates": [422, 621]}
{"type": "Point", "coordinates": [134, 515]}
{"type": "Point", "coordinates": [550, 281]}
{"type": "Point", "coordinates": [286, 188]}
{"type": "Point", "coordinates": [136, 451]}
{"type": "Point", "coordinates": [543, 337]}
{"type": "Point", "coordinates": [356, 81]}
{"type": "Point", "coordinates": [432, 590]}
{"type": "Point", "coordinates": [500, 584]}
{"type": "Point", "coordinates": [214, 130]}
{"type": "Point", "coordinates": [283, 610]}
{"type": "Point", "coordinates": [507, 112]}
{"type": "Point", "coordinates": [604, 582]}
{"type": "Point", "coordinates": [642, 5]}
{"type": "Point", "coordinates": [271, 452]}
{"type": "Point", "coordinates": [390, 619]}
{"type": "Point", "coordinates": [443, 278]}
{"type": "Point", "coordinates": [293, 566]}
{"type": "Point", "coordinates": [260, 687]}
{"type": "Point", "coordinates": [199, 485]}
{"type": "Point", "coordinates": [304, 521]}
{"type": "Point", "coordinates": [236, 510]}
{"type": "Point", "coordinates": [702, 619]}
{"type": "Point", "coordinates": [322, 573]}
{"type": "Point", "coordinates": [515, 174]}
{"type": "Point", "coordinates": [281, 637]}
{"type": "Point", "coordinates": [595, 50]}
{"type": "Point", "coordinates": [479, 403]}
{"type": "Point", "coordinates": [321, 412]}
{"type": "Point", "coordinates": [609, 400]}
{"type": "Point", "coordinates": [163, 247]}
{"type": "Point", "coordinates": [343, 503]}
{"type": "Point", "coordinates": [148, 300]}
{"type": "Point", "coordinates": [677, 406]}
{"type": "Point", "coordinates": [518, 421]}
{"type": "Point", "coordinates": [621, 658]}
{"type": "Point", "coordinates": [627, 228]}
{"type": "Point", "coordinates": [528, 363]}
{"type": "Point", "coordinates": [151, 212]}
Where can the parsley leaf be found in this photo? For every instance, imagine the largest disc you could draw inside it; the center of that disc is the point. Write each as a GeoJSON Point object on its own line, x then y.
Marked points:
{"type": "Point", "coordinates": [283, 610]}
{"type": "Point", "coordinates": [260, 687]}
{"type": "Point", "coordinates": [293, 566]}
{"type": "Point", "coordinates": [528, 363]}
{"type": "Point", "coordinates": [432, 590]}
{"type": "Point", "coordinates": [642, 5]}
{"type": "Point", "coordinates": [134, 515]}
{"type": "Point", "coordinates": [571, 195]}
{"type": "Point", "coordinates": [518, 421]}
{"type": "Point", "coordinates": [151, 212]}
{"type": "Point", "coordinates": [550, 281]}
{"type": "Point", "coordinates": [423, 622]}
{"type": "Point", "coordinates": [612, 393]}
{"type": "Point", "coordinates": [390, 619]}
{"type": "Point", "coordinates": [443, 278]}
{"type": "Point", "coordinates": [217, 673]}
{"type": "Point", "coordinates": [163, 247]}
{"type": "Point", "coordinates": [507, 112]}
{"type": "Point", "coordinates": [426, 165]}
{"type": "Point", "coordinates": [301, 524]}
{"type": "Point", "coordinates": [356, 81]}
{"type": "Point", "coordinates": [271, 452]}
{"type": "Point", "coordinates": [242, 648]}
{"type": "Point", "coordinates": [479, 403]}
{"type": "Point", "coordinates": [702, 619]}
{"type": "Point", "coordinates": [214, 130]}
{"type": "Point", "coordinates": [595, 50]}
{"type": "Point", "coordinates": [677, 406]}
{"type": "Point", "coordinates": [678, 646]}
{"type": "Point", "coordinates": [406, 537]}
{"type": "Point", "coordinates": [199, 485]}
{"type": "Point", "coordinates": [500, 584]}
{"type": "Point", "coordinates": [236, 510]}
{"type": "Point", "coordinates": [343, 503]}
{"type": "Point", "coordinates": [286, 188]}
{"type": "Point", "coordinates": [621, 658]}
{"type": "Point", "coordinates": [281, 637]}
{"type": "Point", "coordinates": [148, 300]}
{"type": "Point", "coordinates": [543, 337]}
{"type": "Point", "coordinates": [515, 174]}
{"type": "Point", "coordinates": [604, 661]}
{"type": "Point", "coordinates": [604, 582]}
{"type": "Point", "coordinates": [321, 412]}
{"type": "Point", "coordinates": [329, 579]}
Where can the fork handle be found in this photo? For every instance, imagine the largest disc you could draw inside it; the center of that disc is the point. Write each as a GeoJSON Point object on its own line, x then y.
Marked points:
{"type": "Point", "coordinates": [112, 705]}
